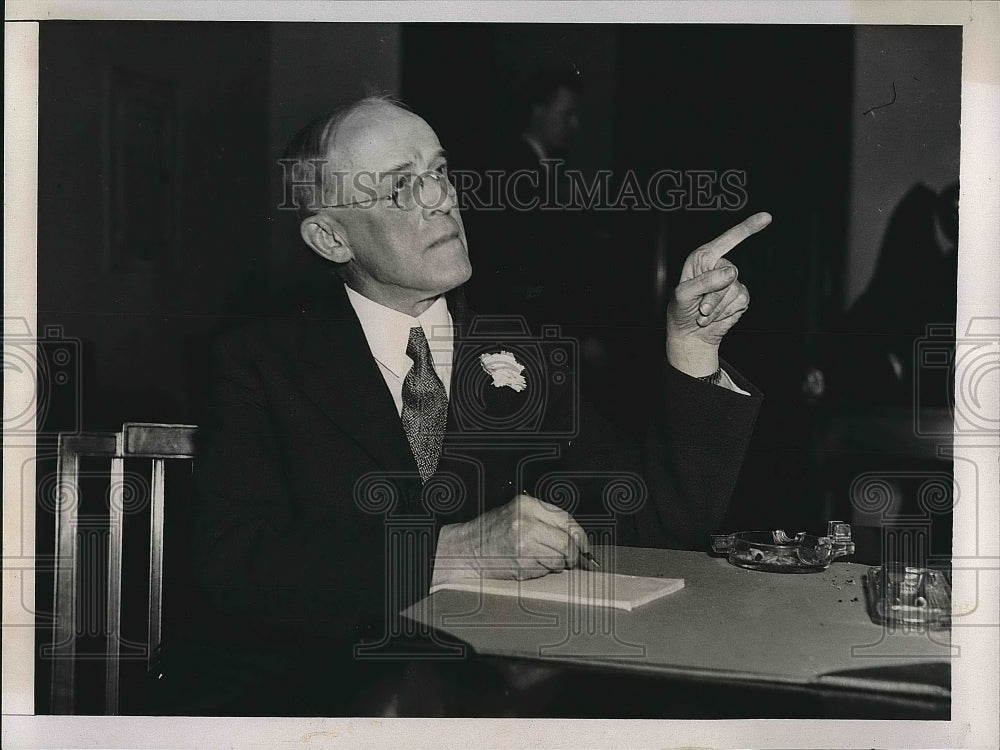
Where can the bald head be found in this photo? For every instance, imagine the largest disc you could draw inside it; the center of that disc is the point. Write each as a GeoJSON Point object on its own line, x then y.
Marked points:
{"type": "Point", "coordinates": [318, 150]}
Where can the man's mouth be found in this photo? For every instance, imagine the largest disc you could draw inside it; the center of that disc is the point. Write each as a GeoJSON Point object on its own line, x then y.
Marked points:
{"type": "Point", "coordinates": [442, 240]}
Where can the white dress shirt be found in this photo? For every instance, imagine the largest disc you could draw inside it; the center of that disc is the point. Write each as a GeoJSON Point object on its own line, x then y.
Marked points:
{"type": "Point", "coordinates": [388, 332]}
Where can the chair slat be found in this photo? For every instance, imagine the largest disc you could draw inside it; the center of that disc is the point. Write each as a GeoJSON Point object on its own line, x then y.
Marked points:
{"type": "Point", "coordinates": [156, 559]}
{"type": "Point", "coordinates": [116, 528]}
{"type": "Point", "coordinates": [89, 444]}
{"type": "Point", "coordinates": [64, 593]}
{"type": "Point", "coordinates": [159, 440]}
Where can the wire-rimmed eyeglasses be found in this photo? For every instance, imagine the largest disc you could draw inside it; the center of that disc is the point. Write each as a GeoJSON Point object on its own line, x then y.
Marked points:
{"type": "Point", "coordinates": [409, 190]}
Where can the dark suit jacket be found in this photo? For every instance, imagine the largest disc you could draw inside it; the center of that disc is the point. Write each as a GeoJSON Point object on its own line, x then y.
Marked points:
{"type": "Point", "coordinates": [304, 471]}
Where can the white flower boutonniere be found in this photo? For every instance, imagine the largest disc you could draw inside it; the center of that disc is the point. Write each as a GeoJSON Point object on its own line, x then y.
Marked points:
{"type": "Point", "coordinates": [504, 369]}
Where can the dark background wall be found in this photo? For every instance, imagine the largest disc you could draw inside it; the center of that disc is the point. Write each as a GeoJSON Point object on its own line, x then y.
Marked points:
{"type": "Point", "coordinates": [222, 101]}
{"type": "Point", "coordinates": [136, 313]}
{"type": "Point", "coordinates": [913, 140]}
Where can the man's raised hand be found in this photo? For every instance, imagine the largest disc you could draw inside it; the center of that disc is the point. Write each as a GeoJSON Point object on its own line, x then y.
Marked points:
{"type": "Point", "coordinates": [708, 301]}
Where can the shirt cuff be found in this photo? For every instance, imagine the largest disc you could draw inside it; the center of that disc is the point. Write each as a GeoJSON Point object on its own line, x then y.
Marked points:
{"type": "Point", "coordinates": [448, 564]}
{"type": "Point", "coordinates": [727, 382]}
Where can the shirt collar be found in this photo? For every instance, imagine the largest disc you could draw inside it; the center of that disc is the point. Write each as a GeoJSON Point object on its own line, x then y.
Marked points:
{"type": "Point", "coordinates": [388, 330]}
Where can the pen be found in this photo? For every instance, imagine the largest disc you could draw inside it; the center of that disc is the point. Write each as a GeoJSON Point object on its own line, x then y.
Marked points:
{"type": "Point", "coordinates": [589, 557]}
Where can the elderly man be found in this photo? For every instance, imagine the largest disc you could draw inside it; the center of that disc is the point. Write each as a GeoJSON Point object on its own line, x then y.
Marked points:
{"type": "Point", "coordinates": [374, 413]}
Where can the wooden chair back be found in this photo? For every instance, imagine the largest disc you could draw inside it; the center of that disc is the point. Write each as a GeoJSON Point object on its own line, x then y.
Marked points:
{"type": "Point", "coordinates": [159, 443]}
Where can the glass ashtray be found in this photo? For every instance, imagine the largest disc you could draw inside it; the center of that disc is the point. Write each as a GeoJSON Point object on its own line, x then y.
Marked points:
{"type": "Point", "coordinates": [776, 552]}
{"type": "Point", "coordinates": [904, 595]}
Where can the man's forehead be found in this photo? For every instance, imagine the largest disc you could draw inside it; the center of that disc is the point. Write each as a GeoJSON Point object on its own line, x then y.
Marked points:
{"type": "Point", "coordinates": [383, 136]}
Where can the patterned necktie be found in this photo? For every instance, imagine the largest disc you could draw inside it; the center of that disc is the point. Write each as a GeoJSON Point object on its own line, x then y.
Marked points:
{"type": "Point", "coordinates": [425, 405]}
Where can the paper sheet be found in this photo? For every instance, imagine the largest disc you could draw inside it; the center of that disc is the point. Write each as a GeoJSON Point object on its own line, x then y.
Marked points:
{"type": "Point", "coordinates": [581, 587]}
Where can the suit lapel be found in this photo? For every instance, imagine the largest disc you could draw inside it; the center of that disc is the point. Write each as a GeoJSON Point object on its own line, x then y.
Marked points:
{"type": "Point", "coordinates": [478, 407]}
{"type": "Point", "coordinates": [341, 377]}
{"type": "Point", "coordinates": [476, 412]}
{"type": "Point", "coordinates": [338, 373]}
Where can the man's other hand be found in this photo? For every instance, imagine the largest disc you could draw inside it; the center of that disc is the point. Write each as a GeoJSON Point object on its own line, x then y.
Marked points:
{"type": "Point", "coordinates": [708, 301]}
{"type": "Point", "coordinates": [526, 538]}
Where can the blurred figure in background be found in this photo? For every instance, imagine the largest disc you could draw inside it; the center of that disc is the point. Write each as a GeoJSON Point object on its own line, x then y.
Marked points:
{"type": "Point", "coordinates": [523, 252]}
{"type": "Point", "coordinates": [872, 383]}
{"type": "Point", "coordinates": [913, 287]}
{"type": "Point", "coordinates": [552, 102]}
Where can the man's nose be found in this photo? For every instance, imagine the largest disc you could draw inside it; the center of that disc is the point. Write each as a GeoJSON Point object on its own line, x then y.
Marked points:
{"type": "Point", "coordinates": [437, 193]}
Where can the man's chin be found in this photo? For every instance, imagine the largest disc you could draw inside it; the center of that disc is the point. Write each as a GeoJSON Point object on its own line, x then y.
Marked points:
{"type": "Point", "coordinates": [462, 276]}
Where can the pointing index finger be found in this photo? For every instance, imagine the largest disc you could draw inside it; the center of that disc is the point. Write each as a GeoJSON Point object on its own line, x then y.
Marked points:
{"type": "Point", "coordinates": [732, 237]}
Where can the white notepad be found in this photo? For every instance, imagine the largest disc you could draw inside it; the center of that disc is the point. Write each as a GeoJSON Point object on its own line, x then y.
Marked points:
{"type": "Point", "coordinates": [581, 587]}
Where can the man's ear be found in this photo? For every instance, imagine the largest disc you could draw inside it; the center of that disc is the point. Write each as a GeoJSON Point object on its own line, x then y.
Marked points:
{"type": "Point", "coordinates": [326, 237]}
